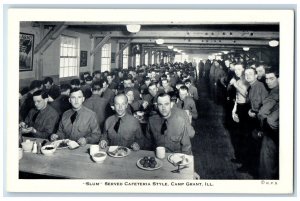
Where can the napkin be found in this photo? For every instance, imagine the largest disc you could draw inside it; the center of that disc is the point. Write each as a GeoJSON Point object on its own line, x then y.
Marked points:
{"type": "Point", "coordinates": [72, 144]}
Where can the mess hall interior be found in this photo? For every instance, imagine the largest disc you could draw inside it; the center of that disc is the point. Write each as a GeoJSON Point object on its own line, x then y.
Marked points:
{"type": "Point", "coordinates": [221, 75]}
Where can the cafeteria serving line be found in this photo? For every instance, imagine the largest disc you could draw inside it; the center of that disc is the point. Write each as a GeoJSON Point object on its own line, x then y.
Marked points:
{"type": "Point", "coordinates": [148, 101]}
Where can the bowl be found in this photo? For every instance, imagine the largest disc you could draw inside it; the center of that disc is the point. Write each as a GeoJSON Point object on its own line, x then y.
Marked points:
{"type": "Point", "coordinates": [48, 150]}
{"type": "Point", "coordinates": [99, 156]}
{"type": "Point", "coordinates": [27, 146]}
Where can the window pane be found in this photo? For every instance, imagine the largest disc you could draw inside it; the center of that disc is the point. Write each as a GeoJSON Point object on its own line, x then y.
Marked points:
{"type": "Point", "coordinates": [62, 63]}
{"type": "Point", "coordinates": [68, 57]}
{"type": "Point", "coordinates": [61, 72]}
{"type": "Point", "coordinates": [105, 57]}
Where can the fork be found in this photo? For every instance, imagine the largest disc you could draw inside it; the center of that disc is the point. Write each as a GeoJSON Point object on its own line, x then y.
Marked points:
{"type": "Point", "coordinates": [178, 166]}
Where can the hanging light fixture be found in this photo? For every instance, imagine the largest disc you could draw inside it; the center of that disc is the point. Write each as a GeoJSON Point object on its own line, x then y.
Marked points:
{"type": "Point", "coordinates": [170, 47]}
{"type": "Point", "coordinates": [246, 48]}
{"type": "Point", "coordinates": [225, 52]}
{"type": "Point", "coordinates": [175, 49]}
{"type": "Point", "coordinates": [273, 43]}
{"type": "Point", "coordinates": [160, 41]}
{"type": "Point", "coordinates": [133, 28]}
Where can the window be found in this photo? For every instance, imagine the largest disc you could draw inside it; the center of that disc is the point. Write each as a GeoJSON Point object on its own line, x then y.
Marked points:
{"type": "Point", "coordinates": [181, 58]}
{"type": "Point", "coordinates": [125, 58]}
{"type": "Point", "coordinates": [152, 58]}
{"type": "Point", "coordinates": [137, 59]}
{"type": "Point", "coordinates": [146, 59]}
{"type": "Point", "coordinates": [105, 57]}
{"type": "Point", "coordinates": [69, 61]}
{"type": "Point", "coordinates": [157, 59]}
{"type": "Point", "coordinates": [165, 59]}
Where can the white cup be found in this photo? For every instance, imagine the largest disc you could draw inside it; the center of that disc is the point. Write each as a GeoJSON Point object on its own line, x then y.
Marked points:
{"type": "Point", "coordinates": [94, 149]}
{"type": "Point", "coordinates": [160, 152]}
{"type": "Point", "coordinates": [20, 153]}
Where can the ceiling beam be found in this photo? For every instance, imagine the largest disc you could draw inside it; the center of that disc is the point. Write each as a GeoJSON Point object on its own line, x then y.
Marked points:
{"type": "Point", "coordinates": [100, 44]}
{"type": "Point", "coordinates": [192, 34]}
{"type": "Point", "coordinates": [180, 41]}
{"type": "Point", "coordinates": [99, 23]}
{"type": "Point", "coordinates": [50, 37]}
{"type": "Point", "coordinates": [124, 47]}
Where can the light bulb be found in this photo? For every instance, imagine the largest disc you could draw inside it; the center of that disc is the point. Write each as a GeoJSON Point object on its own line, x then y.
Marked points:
{"type": "Point", "coordinates": [273, 43]}
{"type": "Point", "coordinates": [133, 28]}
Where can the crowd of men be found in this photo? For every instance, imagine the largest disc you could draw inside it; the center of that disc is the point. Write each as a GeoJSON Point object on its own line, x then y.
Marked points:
{"type": "Point", "coordinates": [140, 108]}
{"type": "Point", "coordinates": [150, 106]}
{"type": "Point", "coordinates": [249, 92]}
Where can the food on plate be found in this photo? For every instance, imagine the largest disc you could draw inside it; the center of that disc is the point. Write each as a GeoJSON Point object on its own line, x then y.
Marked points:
{"type": "Point", "coordinates": [148, 162]}
{"type": "Point", "coordinates": [119, 152]}
{"type": "Point", "coordinates": [179, 159]}
{"type": "Point", "coordinates": [49, 148]}
{"type": "Point", "coordinates": [63, 144]}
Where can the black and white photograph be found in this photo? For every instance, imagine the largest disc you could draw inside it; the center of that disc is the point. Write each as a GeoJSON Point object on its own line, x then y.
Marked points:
{"type": "Point", "coordinates": [152, 103]}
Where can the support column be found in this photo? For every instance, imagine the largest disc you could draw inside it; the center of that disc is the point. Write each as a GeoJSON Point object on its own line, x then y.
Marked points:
{"type": "Point", "coordinates": [149, 56]}
{"type": "Point", "coordinates": [93, 55]}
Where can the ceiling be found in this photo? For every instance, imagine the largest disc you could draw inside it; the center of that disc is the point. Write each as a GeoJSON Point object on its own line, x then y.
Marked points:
{"type": "Point", "coordinates": [191, 38]}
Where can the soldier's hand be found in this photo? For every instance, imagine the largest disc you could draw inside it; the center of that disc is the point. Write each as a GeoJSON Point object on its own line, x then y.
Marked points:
{"type": "Point", "coordinates": [103, 144]}
{"type": "Point", "coordinates": [53, 137]}
{"type": "Point", "coordinates": [82, 141]}
{"type": "Point", "coordinates": [135, 146]}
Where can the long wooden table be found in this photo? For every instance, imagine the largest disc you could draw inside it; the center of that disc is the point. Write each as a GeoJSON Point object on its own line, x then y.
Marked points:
{"type": "Point", "coordinates": [78, 164]}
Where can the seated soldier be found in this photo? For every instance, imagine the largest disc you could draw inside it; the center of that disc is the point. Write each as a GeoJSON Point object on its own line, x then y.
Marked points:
{"type": "Point", "coordinates": [192, 89]}
{"type": "Point", "coordinates": [83, 77]}
{"type": "Point", "coordinates": [49, 84]}
{"type": "Point", "coordinates": [87, 87]}
{"type": "Point", "coordinates": [26, 101]}
{"type": "Point", "coordinates": [75, 83]}
{"type": "Point", "coordinates": [187, 103]}
{"type": "Point", "coordinates": [151, 98]}
{"type": "Point", "coordinates": [144, 87]}
{"type": "Point", "coordinates": [128, 83]}
{"type": "Point", "coordinates": [111, 81]}
{"type": "Point", "coordinates": [133, 105]}
{"type": "Point", "coordinates": [168, 129]}
{"type": "Point", "coordinates": [166, 86]}
{"type": "Point", "coordinates": [96, 76]}
{"type": "Point", "coordinates": [41, 120]}
{"type": "Point", "coordinates": [106, 92]}
{"type": "Point", "coordinates": [53, 93]}
{"type": "Point", "coordinates": [182, 113]}
{"type": "Point", "coordinates": [62, 104]}
{"type": "Point", "coordinates": [97, 104]}
{"type": "Point", "coordinates": [79, 123]}
{"type": "Point", "coordinates": [122, 129]}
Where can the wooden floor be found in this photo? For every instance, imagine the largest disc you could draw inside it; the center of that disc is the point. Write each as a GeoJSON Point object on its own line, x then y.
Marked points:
{"type": "Point", "coordinates": [212, 147]}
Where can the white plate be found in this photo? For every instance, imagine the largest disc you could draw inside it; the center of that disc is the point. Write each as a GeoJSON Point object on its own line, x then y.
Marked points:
{"type": "Point", "coordinates": [112, 149]}
{"type": "Point", "coordinates": [157, 166]}
{"type": "Point", "coordinates": [175, 158]}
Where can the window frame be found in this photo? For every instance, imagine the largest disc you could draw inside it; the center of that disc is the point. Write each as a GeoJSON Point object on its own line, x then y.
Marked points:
{"type": "Point", "coordinates": [77, 53]}
{"type": "Point", "coordinates": [108, 58]}
{"type": "Point", "coordinates": [125, 57]}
